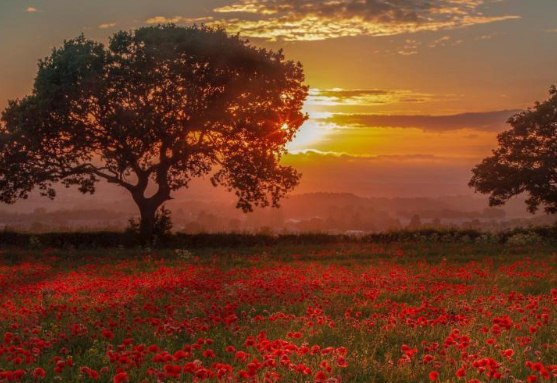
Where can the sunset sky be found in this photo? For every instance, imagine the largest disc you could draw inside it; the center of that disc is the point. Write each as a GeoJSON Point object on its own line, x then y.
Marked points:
{"type": "Point", "coordinates": [406, 95]}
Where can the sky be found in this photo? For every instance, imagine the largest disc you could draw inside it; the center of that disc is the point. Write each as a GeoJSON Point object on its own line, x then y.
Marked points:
{"type": "Point", "coordinates": [405, 95]}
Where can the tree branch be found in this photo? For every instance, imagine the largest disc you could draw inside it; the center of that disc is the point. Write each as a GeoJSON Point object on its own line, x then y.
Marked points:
{"type": "Point", "coordinates": [110, 178]}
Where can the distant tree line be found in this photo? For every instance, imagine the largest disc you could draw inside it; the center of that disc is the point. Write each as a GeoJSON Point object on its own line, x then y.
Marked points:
{"type": "Point", "coordinates": [88, 240]}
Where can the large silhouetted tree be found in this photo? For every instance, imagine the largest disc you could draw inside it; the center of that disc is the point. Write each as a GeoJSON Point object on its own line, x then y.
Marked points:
{"type": "Point", "coordinates": [525, 161]}
{"type": "Point", "coordinates": [149, 112]}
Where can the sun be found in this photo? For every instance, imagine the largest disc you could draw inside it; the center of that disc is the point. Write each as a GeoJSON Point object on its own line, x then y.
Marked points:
{"type": "Point", "coordinates": [311, 133]}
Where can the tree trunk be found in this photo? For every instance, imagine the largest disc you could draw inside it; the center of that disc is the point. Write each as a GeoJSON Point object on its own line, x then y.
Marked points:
{"type": "Point", "coordinates": [147, 209]}
{"type": "Point", "coordinates": [147, 223]}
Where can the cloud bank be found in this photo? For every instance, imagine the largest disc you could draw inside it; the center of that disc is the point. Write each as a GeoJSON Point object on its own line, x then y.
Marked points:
{"type": "Point", "coordinates": [488, 121]}
{"type": "Point", "coordinates": [363, 97]}
{"type": "Point", "coordinates": [293, 20]}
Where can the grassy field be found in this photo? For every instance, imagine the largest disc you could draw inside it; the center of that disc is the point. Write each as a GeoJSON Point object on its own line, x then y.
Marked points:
{"type": "Point", "coordinates": [335, 313]}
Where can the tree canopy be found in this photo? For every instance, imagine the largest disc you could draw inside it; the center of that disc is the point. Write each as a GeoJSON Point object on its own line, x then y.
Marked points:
{"type": "Point", "coordinates": [525, 161]}
{"type": "Point", "coordinates": [152, 110]}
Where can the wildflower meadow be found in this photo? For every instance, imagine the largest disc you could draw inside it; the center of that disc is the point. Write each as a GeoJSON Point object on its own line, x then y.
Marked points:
{"type": "Point", "coordinates": [335, 313]}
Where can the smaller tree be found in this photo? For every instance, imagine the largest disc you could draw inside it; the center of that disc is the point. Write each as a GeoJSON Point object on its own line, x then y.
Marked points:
{"type": "Point", "coordinates": [525, 161]}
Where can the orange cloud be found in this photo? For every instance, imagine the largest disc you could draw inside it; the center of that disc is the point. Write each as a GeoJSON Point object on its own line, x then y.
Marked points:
{"type": "Point", "coordinates": [293, 20]}
{"type": "Point", "coordinates": [488, 121]}
{"type": "Point", "coordinates": [107, 25]}
{"type": "Point", "coordinates": [177, 20]}
{"type": "Point", "coordinates": [363, 97]}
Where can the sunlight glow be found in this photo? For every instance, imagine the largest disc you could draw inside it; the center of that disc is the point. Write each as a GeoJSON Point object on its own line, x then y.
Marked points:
{"type": "Point", "coordinates": [312, 133]}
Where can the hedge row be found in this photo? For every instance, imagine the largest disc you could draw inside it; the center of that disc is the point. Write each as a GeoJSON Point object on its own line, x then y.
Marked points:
{"type": "Point", "coordinates": [179, 240]}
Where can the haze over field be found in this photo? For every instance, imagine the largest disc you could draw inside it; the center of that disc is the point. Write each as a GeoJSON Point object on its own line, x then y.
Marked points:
{"type": "Point", "coordinates": [404, 99]}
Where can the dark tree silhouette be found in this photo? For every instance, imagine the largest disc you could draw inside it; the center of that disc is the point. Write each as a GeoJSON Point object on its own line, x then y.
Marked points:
{"type": "Point", "coordinates": [154, 109]}
{"type": "Point", "coordinates": [525, 161]}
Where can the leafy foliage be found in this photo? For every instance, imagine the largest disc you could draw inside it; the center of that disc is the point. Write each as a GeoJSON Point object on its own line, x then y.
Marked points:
{"type": "Point", "coordinates": [154, 109]}
{"type": "Point", "coordinates": [526, 160]}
